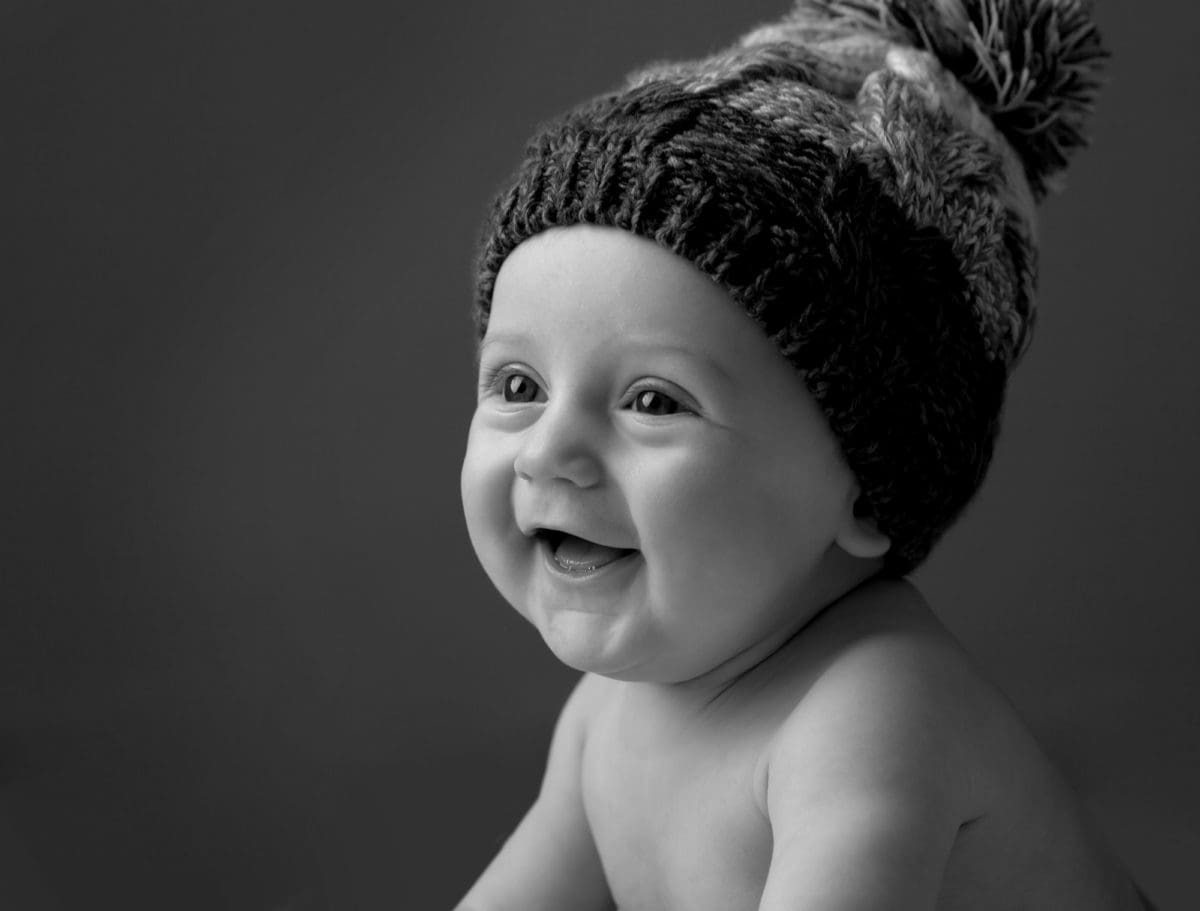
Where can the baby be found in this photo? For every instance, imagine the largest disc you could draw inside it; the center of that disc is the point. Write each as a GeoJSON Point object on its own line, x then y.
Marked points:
{"type": "Point", "coordinates": [745, 330]}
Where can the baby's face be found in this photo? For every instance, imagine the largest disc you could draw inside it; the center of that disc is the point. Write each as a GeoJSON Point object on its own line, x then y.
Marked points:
{"type": "Point", "coordinates": [646, 479]}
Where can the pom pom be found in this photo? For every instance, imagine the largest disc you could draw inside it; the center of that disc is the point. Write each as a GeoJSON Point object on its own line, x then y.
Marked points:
{"type": "Point", "coordinates": [1033, 66]}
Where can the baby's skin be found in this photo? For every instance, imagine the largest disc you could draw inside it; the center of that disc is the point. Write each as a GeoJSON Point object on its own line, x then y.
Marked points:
{"type": "Point", "coordinates": [763, 721]}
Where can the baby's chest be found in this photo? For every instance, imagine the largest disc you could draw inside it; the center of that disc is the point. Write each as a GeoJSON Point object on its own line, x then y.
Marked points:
{"type": "Point", "coordinates": [677, 828]}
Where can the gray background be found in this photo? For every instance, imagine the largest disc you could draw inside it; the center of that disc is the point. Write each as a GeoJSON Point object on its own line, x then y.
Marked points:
{"type": "Point", "coordinates": [247, 659]}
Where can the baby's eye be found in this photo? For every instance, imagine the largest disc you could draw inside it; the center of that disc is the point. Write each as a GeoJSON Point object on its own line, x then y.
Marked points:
{"type": "Point", "coordinates": [511, 383]}
{"type": "Point", "coordinates": [518, 388]}
{"type": "Point", "coordinates": [652, 401]}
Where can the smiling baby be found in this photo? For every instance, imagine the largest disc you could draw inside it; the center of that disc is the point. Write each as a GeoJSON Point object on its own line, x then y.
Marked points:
{"type": "Point", "coordinates": [745, 326]}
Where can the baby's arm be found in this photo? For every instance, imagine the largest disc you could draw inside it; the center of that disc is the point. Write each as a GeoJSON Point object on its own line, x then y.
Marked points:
{"type": "Point", "coordinates": [866, 787]}
{"type": "Point", "coordinates": [550, 862]}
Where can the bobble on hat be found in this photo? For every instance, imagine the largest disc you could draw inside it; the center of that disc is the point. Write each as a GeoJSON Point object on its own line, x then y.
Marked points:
{"type": "Point", "coordinates": [861, 178]}
{"type": "Point", "coordinates": [1033, 66]}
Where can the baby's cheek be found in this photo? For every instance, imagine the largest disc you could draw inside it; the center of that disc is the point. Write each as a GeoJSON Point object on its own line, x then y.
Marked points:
{"type": "Point", "coordinates": [693, 506]}
{"type": "Point", "coordinates": [486, 486]}
{"type": "Point", "coordinates": [726, 521]}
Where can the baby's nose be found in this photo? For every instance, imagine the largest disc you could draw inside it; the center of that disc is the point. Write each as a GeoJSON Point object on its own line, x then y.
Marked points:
{"type": "Point", "coordinates": [560, 446]}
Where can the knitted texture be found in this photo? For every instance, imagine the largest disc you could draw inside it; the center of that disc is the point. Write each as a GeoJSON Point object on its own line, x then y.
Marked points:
{"type": "Point", "coordinates": [845, 187]}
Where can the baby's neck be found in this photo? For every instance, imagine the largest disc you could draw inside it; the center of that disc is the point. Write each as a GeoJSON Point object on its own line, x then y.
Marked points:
{"type": "Point", "coordinates": [699, 694]}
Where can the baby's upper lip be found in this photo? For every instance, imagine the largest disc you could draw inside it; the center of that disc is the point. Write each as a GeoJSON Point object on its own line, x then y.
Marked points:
{"type": "Point", "coordinates": [532, 528]}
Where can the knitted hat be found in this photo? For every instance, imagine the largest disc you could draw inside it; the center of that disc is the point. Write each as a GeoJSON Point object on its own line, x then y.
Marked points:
{"type": "Point", "coordinates": [861, 178]}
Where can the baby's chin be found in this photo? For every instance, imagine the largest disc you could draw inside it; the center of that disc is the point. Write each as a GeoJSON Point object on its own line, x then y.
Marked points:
{"type": "Point", "coordinates": [599, 644]}
{"type": "Point", "coordinates": [630, 655]}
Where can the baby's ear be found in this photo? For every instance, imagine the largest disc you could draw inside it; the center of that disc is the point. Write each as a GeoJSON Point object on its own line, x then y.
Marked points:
{"type": "Point", "coordinates": [858, 535]}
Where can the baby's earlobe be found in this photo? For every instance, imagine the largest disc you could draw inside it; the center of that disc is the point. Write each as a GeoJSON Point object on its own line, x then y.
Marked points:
{"type": "Point", "coordinates": [860, 535]}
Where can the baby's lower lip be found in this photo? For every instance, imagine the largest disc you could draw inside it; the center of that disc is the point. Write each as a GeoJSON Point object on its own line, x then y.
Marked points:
{"type": "Point", "coordinates": [582, 568]}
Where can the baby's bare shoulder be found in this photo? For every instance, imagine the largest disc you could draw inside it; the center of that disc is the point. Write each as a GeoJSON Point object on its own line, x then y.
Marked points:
{"type": "Point", "coordinates": [883, 640]}
{"type": "Point", "coordinates": [885, 697]}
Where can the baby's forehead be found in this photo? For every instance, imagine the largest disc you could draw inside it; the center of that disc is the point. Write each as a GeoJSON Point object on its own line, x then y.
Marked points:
{"type": "Point", "coordinates": [604, 287]}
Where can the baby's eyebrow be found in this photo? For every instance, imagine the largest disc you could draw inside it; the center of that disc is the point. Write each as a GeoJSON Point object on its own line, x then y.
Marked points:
{"type": "Point", "coordinates": [651, 347]}
{"type": "Point", "coordinates": [499, 338]}
{"type": "Point", "coordinates": [496, 338]}
{"type": "Point", "coordinates": [644, 346]}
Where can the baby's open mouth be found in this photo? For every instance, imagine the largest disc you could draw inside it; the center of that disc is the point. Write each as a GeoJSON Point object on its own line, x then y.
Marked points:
{"type": "Point", "coordinates": [578, 556]}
